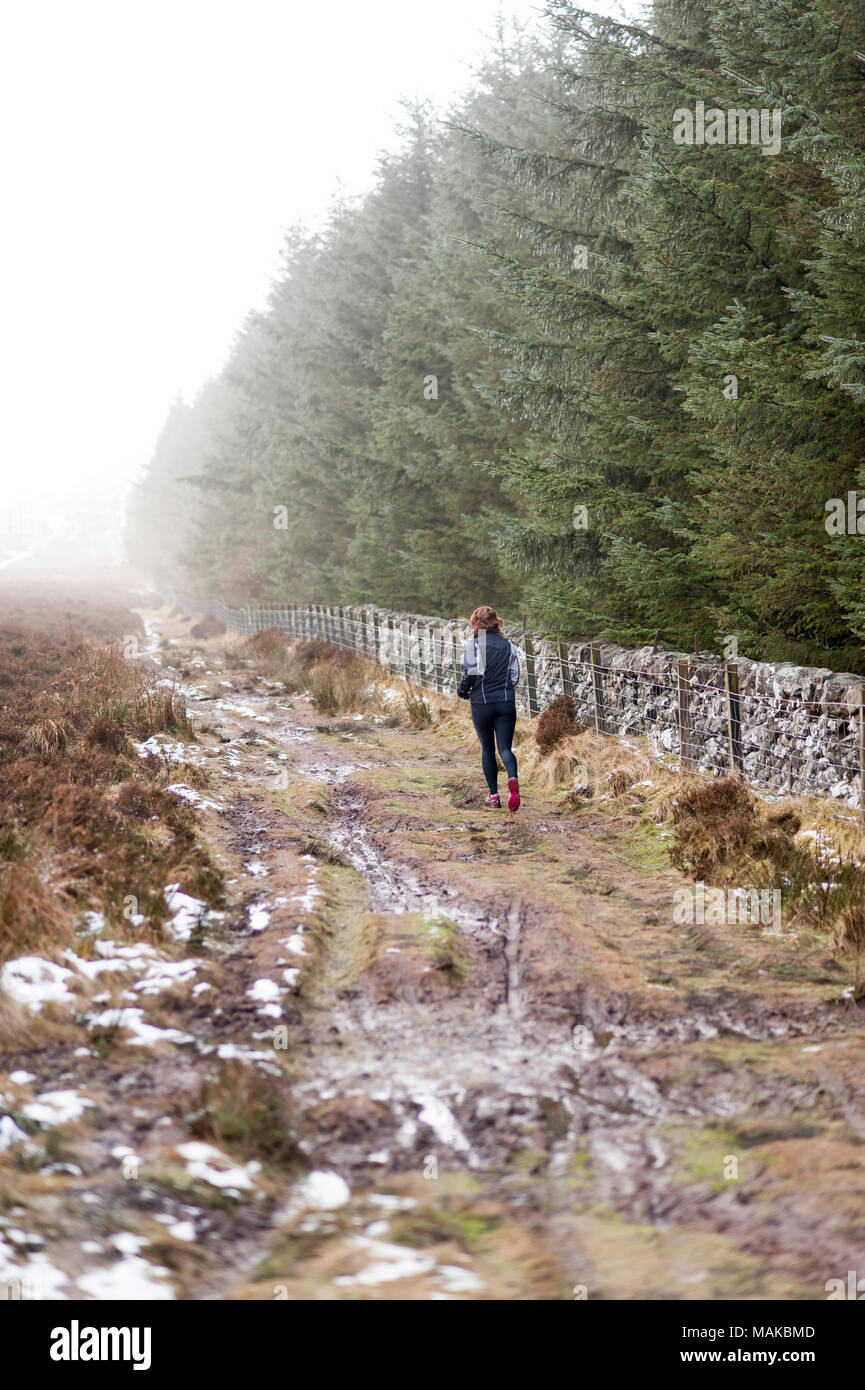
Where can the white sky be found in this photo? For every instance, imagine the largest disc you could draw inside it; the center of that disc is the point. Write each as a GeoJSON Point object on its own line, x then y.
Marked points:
{"type": "Point", "coordinates": [152, 154]}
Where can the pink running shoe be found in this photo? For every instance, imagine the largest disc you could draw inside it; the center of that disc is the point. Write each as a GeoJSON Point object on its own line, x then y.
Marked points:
{"type": "Point", "coordinates": [514, 798]}
{"type": "Point", "coordinates": [494, 799]}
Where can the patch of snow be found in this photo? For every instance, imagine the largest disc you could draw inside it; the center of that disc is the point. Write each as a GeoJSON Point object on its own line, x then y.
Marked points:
{"type": "Point", "coordinates": [33, 981]}
{"type": "Point", "coordinates": [264, 990]}
{"type": "Point", "coordinates": [186, 912]}
{"type": "Point", "coordinates": [56, 1107]}
{"type": "Point", "coordinates": [387, 1202]}
{"type": "Point", "coordinates": [127, 1243]}
{"type": "Point", "coordinates": [435, 1113]}
{"type": "Point", "coordinates": [37, 1278]}
{"type": "Point", "coordinates": [193, 797]}
{"type": "Point", "coordinates": [458, 1279]}
{"type": "Point", "coordinates": [93, 922]}
{"type": "Point", "coordinates": [141, 1034]}
{"type": "Point", "coordinates": [10, 1133]}
{"type": "Point", "coordinates": [259, 917]}
{"type": "Point", "coordinates": [200, 1161]}
{"type": "Point", "coordinates": [231, 1052]}
{"type": "Point", "coordinates": [390, 1262]}
{"type": "Point", "coordinates": [322, 1191]}
{"type": "Point", "coordinates": [162, 976]}
{"type": "Point", "coordinates": [131, 1279]}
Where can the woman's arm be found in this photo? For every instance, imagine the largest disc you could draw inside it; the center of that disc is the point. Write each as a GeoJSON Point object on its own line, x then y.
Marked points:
{"type": "Point", "coordinates": [514, 667]}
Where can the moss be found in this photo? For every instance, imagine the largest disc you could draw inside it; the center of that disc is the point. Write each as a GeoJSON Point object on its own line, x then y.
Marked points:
{"type": "Point", "coordinates": [435, 1225]}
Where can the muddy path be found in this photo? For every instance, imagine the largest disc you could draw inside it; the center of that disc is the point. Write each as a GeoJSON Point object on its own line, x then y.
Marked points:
{"type": "Point", "coordinates": [437, 1052]}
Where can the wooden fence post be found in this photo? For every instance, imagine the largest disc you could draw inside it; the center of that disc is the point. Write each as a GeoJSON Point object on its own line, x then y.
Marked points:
{"type": "Point", "coordinates": [437, 657]}
{"type": "Point", "coordinates": [420, 628]}
{"type": "Point", "coordinates": [734, 717]}
{"type": "Point", "coordinates": [405, 649]}
{"type": "Point", "coordinates": [683, 671]}
{"type": "Point", "coordinates": [598, 687]}
{"type": "Point", "coordinates": [531, 679]}
{"type": "Point", "coordinates": [391, 645]}
{"type": "Point", "coordinates": [565, 668]}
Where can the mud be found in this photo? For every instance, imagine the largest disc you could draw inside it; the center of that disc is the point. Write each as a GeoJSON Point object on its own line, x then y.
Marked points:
{"type": "Point", "coordinates": [501, 1070]}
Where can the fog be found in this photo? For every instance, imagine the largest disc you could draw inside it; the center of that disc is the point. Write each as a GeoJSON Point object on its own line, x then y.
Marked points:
{"type": "Point", "coordinates": [153, 157]}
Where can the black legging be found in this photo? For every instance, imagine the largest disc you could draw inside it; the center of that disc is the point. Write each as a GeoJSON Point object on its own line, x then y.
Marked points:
{"type": "Point", "coordinates": [494, 724]}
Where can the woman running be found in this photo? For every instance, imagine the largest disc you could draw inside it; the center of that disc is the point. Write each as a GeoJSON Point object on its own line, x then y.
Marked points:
{"type": "Point", "coordinates": [491, 671]}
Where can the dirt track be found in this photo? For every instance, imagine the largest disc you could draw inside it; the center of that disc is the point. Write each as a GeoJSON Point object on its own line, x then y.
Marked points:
{"type": "Point", "coordinates": [507, 1070]}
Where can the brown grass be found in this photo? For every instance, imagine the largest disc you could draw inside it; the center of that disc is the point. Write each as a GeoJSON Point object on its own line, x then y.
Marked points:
{"type": "Point", "coordinates": [722, 834]}
{"type": "Point", "coordinates": [337, 681]}
{"type": "Point", "coordinates": [418, 707]}
{"type": "Point", "coordinates": [340, 687]}
{"type": "Point", "coordinates": [718, 826]}
{"type": "Point", "coordinates": [84, 822]}
{"type": "Point", "coordinates": [94, 612]}
{"type": "Point", "coordinates": [242, 1110]}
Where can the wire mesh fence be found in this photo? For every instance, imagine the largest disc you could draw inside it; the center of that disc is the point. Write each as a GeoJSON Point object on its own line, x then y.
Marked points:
{"type": "Point", "coordinates": [784, 729]}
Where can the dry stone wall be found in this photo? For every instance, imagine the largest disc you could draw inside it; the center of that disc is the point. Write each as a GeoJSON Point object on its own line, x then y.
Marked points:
{"type": "Point", "coordinates": [792, 728]}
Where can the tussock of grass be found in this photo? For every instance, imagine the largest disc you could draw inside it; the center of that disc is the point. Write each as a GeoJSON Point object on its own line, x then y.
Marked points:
{"type": "Point", "coordinates": [242, 1110]}
{"type": "Point", "coordinates": [588, 764]}
{"type": "Point", "coordinates": [321, 849]}
{"type": "Point", "coordinates": [417, 707]}
{"type": "Point", "coordinates": [429, 955]}
{"type": "Point", "coordinates": [446, 947]}
{"type": "Point", "coordinates": [268, 648]}
{"type": "Point", "coordinates": [718, 825]}
{"type": "Point", "coordinates": [723, 834]}
{"type": "Point", "coordinates": [340, 687]}
{"type": "Point", "coordinates": [337, 681]}
{"type": "Point", "coordinates": [19, 1028]}
{"type": "Point", "coordinates": [107, 691]}
{"type": "Point", "coordinates": [47, 737]}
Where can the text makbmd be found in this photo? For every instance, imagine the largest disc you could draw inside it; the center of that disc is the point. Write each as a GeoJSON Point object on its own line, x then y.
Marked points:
{"type": "Point", "coordinates": [713, 1333]}
{"type": "Point", "coordinates": [75, 1343]}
